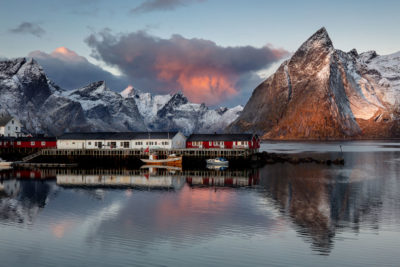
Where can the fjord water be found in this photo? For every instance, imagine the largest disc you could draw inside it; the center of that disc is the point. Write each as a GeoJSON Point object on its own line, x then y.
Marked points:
{"type": "Point", "coordinates": [279, 215]}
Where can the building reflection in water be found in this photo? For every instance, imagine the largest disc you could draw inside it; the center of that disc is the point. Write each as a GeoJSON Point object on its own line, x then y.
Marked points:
{"type": "Point", "coordinates": [157, 178]}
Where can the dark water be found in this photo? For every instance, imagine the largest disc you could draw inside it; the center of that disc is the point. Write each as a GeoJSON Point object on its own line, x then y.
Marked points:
{"type": "Point", "coordinates": [280, 215]}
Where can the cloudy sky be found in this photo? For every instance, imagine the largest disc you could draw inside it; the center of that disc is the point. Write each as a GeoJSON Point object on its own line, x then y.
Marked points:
{"type": "Point", "coordinates": [214, 51]}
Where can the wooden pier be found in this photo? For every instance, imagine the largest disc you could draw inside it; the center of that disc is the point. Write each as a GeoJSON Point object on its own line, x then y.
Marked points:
{"type": "Point", "coordinates": [122, 153]}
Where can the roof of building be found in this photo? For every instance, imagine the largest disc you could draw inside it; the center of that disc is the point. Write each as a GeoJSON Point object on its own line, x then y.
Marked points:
{"type": "Point", "coordinates": [117, 135]}
{"type": "Point", "coordinates": [27, 139]}
{"type": "Point", "coordinates": [220, 137]}
{"type": "Point", "coordinates": [5, 119]}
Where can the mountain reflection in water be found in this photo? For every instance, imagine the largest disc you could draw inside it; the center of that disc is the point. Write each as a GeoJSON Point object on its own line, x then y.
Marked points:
{"type": "Point", "coordinates": [178, 213]}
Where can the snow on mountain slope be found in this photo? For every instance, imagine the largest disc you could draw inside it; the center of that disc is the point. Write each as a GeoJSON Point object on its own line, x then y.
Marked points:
{"type": "Point", "coordinates": [161, 112]}
{"type": "Point", "coordinates": [147, 103]}
{"type": "Point", "coordinates": [325, 93]}
{"type": "Point", "coordinates": [43, 107]}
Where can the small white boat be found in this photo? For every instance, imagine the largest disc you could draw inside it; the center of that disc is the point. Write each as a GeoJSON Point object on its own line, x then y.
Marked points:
{"type": "Point", "coordinates": [5, 164]}
{"type": "Point", "coordinates": [171, 160]}
{"type": "Point", "coordinates": [170, 168]}
{"type": "Point", "coordinates": [216, 167]}
{"type": "Point", "coordinates": [218, 161]}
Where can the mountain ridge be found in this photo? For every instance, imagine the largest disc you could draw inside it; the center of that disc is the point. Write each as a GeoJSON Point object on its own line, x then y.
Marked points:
{"type": "Point", "coordinates": [43, 107]}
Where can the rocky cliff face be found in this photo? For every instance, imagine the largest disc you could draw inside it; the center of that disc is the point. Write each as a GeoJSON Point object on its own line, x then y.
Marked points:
{"type": "Point", "coordinates": [324, 93]}
{"type": "Point", "coordinates": [43, 107]}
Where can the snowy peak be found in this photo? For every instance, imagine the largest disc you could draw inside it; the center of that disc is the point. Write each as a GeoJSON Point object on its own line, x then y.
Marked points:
{"type": "Point", "coordinates": [11, 67]}
{"type": "Point", "coordinates": [318, 39]}
{"type": "Point", "coordinates": [177, 100]}
{"type": "Point", "coordinates": [324, 93]}
{"type": "Point", "coordinates": [43, 107]}
{"type": "Point", "coordinates": [319, 42]}
{"type": "Point", "coordinates": [128, 92]}
{"type": "Point", "coordinates": [93, 89]}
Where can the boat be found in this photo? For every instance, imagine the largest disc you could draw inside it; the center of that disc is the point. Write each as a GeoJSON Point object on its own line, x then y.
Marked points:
{"type": "Point", "coordinates": [171, 160]}
{"type": "Point", "coordinates": [167, 167]}
{"type": "Point", "coordinates": [218, 161]}
{"type": "Point", "coordinates": [5, 164]}
{"type": "Point", "coordinates": [216, 167]}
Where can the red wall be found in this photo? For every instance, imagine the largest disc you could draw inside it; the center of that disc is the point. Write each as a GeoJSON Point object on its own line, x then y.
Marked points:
{"type": "Point", "coordinates": [27, 144]}
{"type": "Point", "coordinates": [253, 144]}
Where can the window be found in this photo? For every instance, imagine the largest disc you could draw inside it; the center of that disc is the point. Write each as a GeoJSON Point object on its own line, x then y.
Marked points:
{"type": "Point", "coordinates": [125, 145]}
{"type": "Point", "coordinates": [16, 128]}
{"type": "Point", "coordinates": [73, 143]}
{"type": "Point", "coordinates": [89, 143]}
{"type": "Point", "coordinates": [155, 142]}
{"type": "Point", "coordinates": [12, 121]}
{"type": "Point", "coordinates": [32, 143]}
{"type": "Point", "coordinates": [9, 128]}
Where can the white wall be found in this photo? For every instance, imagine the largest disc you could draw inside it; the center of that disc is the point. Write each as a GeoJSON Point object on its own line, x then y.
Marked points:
{"type": "Point", "coordinates": [151, 143]}
{"type": "Point", "coordinates": [179, 141]}
{"type": "Point", "coordinates": [70, 144]}
{"type": "Point", "coordinates": [12, 128]}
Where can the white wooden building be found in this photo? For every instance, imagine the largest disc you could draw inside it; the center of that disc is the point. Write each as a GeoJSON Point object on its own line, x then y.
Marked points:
{"type": "Point", "coordinates": [10, 126]}
{"type": "Point", "coordinates": [124, 140]}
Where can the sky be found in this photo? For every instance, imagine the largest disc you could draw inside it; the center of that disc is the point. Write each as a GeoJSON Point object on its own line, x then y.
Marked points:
{"type": "Point", "coordinates": [214, 51]}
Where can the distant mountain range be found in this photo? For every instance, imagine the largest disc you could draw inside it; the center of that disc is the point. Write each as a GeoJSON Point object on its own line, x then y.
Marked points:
{"type": "Point", "coordinates": [319, 93]}
{"type": "Point", "coordinates": [325, 93]}
{"type": "Point", "coordinates": [43, 107]}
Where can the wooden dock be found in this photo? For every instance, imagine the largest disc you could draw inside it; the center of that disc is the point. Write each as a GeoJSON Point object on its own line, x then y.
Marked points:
{"type": "Point", "coordinates": [122, 153]}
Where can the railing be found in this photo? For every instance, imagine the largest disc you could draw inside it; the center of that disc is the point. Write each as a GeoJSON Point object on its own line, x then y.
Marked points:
{"type": "Point", "coordinates": [187, 152]}
{"type": "Point", "coordinates": [32, 156]}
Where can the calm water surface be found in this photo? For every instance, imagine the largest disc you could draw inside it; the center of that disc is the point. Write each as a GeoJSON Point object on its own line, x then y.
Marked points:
{"type": "Point", "coordinates": [280, 215]}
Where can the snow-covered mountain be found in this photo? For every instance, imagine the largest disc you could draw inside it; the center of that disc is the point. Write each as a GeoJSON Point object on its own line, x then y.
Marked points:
{"type": "Point", "coordinates": [325, 93]}
{"type": "Point", "coordinates": [43, 107]}
{"type": "Point", "coordinates": [176, 112]}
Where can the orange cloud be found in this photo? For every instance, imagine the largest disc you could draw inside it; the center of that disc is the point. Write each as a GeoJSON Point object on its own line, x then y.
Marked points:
{"type": "Point", "coordinates": [199, 84]}
{"type": "Point", "coordinates": [201, 69]}
{"type": "Point", "coordinates": [64, 53]}
{"type": "Point", "coordinates": [210, 88]}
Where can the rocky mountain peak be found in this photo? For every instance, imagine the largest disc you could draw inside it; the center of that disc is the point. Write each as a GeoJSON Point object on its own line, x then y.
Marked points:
{"type": "Point", "coordinates": [178, 99]}
{"type": "Point", "coordinates": [324, 93]}
{"type": "Point", "coordinates": [95, 88]}
{"type": "Point", "coordinates": [128, 92]}
{"type": "Point", "coordinates": [319, 42]}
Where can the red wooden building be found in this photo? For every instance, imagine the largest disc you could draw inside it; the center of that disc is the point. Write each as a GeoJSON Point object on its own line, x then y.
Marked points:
{"type": "Point", "coordinates": [28, 142]}
{"type": "Point", "coordinates": [225, 141]}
